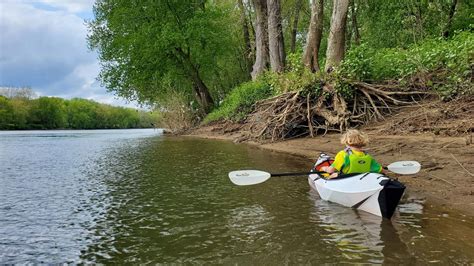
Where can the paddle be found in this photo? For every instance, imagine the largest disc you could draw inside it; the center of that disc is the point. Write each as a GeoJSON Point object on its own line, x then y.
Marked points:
{"type": "Point", "coordinates": [252, 177]}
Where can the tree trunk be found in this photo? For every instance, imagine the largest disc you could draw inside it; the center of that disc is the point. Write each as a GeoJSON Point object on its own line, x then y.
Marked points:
{"type": "Point", "coordinates": [335, 50]}
{"type": "Point", "coordinates": [447, 28]}
{"type": "Point", "coordinates": [202, 92]}
{"type": "Point", "coordinates": [315, 33]}
{"type": "Point", "coordinates": [201, 89]}
{"type": "Point", "coordinates": [261, 38]}
{"type": "Point", "coordinates": [249, 11]}
{"type": "Point", "coordinates": [245, 30]}
{"type": "Point", "coordinates": [348, 39]}
{"type": "Point", "coordinates": [355, 26]}
{"type": "Point", "coordinates": [204, 97]}
{"type": "Point", "coordinates": [294, 29]}
{"type": "Point", "coordinates": [275, 36]}
{"type": "Point", "coordinates": [353, 29]}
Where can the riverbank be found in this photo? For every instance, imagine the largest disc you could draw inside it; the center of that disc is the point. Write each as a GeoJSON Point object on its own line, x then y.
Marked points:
{"type": "Point", "coordinates": [446, 178]}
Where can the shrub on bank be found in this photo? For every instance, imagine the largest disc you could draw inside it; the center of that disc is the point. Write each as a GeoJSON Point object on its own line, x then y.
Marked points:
{"type": "Point", "coordinates": [240, 100]}
{"type": "Point", "coordinates": [444, 65]}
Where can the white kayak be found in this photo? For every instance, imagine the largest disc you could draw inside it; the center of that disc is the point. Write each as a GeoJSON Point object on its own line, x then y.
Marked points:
{"type": "Point", "coordinates": [371, 192]}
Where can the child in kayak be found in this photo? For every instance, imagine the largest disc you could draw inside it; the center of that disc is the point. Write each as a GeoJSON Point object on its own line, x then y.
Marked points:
{"type": "Point", "coordinates": [353, 159]}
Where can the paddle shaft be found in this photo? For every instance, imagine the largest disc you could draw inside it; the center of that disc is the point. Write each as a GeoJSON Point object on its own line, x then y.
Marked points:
{"type": "Point", "coordinates": [296, 174]}
{"type": "Point", "coordinates": [307, 173]}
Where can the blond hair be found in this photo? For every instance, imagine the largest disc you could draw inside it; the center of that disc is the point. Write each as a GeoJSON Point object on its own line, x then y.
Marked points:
{"type": "Point", "coordinates": [355, 138]}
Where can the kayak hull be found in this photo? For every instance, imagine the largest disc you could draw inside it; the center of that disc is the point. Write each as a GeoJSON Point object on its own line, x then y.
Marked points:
{"type": "Point", "coordinates": [370, 192]}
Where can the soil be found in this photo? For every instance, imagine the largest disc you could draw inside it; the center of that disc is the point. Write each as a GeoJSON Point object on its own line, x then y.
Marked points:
{"type": "Point", "coordinates": [438, 135]}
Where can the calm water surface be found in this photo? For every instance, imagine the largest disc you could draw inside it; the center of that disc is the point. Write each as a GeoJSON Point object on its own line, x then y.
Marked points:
{"type": "Point", "coordinates": [121, 196]}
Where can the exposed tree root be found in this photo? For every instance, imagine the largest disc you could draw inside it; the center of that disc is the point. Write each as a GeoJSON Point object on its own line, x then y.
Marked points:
{"type": "Point", "coordinates": [295, 114]}
{"type": "Point", "coordinates": [455, 118]}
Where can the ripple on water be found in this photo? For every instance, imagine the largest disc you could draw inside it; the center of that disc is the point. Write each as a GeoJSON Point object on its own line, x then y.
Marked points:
{"type": "Point", "coordinates": [129, 199]}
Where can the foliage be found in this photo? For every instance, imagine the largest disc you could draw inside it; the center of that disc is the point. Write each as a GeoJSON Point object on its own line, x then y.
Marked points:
{"type": "Point", "coordinates": [294, 62]}
{"type": "Point", "coordinates": [57, 113]}
{"type": "Point", "coordinates": [405, 22]}
{"type": "Point", "coordinates": [298, 80]}
{"type": "Point", "coordinates": [288, 15]}
{"type": "Point", "coordinates": [176, 114]}
{"type": "Point", "coordinates": [20, 112]}
{"type": "Point", "coordinates": [150, 50]}
{"type": "Point", "coordinates": [445, 65]}
{"type": "Point", "coordinates": [81, 114]}
{"type": "Point", "coordinates": [48, 113]}
{"type": "Point", "coordinates": [5, 113]}
{"type": "Point", "coordinates": [241, 100]}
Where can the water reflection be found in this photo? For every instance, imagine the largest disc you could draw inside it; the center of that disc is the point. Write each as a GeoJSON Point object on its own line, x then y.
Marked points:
{"type": "Point", "coordinates": [359, 236]}
{"type": "Point", "coordinates": [248, 224]}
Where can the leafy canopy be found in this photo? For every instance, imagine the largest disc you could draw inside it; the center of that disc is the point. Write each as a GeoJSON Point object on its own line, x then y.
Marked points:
{"type": "Point", "coordinates": [140, 45]}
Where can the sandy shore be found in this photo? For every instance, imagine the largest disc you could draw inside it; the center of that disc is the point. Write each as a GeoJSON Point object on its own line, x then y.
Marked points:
{"type": "Point", "coordinates": [446, 178]}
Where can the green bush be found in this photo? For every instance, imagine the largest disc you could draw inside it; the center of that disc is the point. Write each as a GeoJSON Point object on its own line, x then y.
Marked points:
{"type": "Point", "coordinates": [449, 61]}
{"type": "Point", "coordinates": [300, 80]}
{"type": "Point", "coordinates": [240, 101]}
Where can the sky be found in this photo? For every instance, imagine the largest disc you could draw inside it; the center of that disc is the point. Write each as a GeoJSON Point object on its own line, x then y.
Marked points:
{"type": "Point", "coordinates": [43, 46]}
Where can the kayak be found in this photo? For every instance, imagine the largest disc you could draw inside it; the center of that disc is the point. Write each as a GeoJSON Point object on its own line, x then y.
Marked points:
{"type": "Point", "coordinates": [374, 193]}
{"type": "Point", "coordinates": [371, 192]}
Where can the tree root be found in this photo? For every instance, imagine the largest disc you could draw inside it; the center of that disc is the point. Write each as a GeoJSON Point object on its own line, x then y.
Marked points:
{"type": "Point", "coordinates": [299, 113]}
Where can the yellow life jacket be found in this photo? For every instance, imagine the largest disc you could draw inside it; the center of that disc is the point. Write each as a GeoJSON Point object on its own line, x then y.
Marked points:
{"type": "Point", "coordinates": [356, 163]}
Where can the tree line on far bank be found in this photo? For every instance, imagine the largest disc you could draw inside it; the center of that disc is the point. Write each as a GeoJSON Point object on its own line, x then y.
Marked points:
{"type": "Point", "coordinates": [20, 111]}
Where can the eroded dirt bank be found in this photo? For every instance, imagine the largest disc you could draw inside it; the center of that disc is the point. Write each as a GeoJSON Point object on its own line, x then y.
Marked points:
{"type": "Point", "coordinates": [447, 175]}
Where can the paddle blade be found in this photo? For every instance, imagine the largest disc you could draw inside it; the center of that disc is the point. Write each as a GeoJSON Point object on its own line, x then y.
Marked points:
{"type": "Point", "coordinates": [405, 167]}
{"type": "Point", "coordinates": [248, 177]}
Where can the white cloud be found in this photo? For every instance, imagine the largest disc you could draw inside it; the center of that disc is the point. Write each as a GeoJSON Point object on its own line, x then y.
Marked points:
{"type": "Point", "coordinates": [70, 6]}
{"type": "Point", "coordinates": [73, 6]}
{"type": "Point", "coordinates": [43, 45]}
{"type": "Point", "coordinates": [90, 89]}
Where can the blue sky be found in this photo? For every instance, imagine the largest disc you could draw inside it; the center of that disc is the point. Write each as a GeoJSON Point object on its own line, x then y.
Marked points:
{"type": "Point", "coordinates": [43, 46]}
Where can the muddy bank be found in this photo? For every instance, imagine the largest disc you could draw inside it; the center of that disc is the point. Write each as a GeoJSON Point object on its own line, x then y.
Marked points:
{"type": "Point", "coordinates": [447, 175]}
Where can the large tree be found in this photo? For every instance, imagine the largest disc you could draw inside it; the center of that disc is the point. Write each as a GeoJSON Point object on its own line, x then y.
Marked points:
{"type": "Point", "coordinates": [276, 45]}
{"type": "Point", "coordinates": [148, 48]}
{"type": "Point", "coordinates": [337, 33]}
{"type": "Point", "coordinates": [354, 26]}
{"type": "Point", "coordinates": [248, 53]}
{"type": "Point", "coordinates": [261, 38]}
{"type": "Point", "coordinates": [315, 33]}
{"type": "Point", "coordinates": [294, 27]}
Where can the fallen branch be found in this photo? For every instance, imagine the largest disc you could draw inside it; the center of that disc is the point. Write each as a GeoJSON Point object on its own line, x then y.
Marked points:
{"type": "Point", "coordinates": [442, 179]}
{"type": "Point", "coordinates": [461, 165]}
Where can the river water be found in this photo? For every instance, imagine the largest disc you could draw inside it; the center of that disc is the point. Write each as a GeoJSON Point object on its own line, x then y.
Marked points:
{"type": "Point", "coordinates": [135, 196]}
